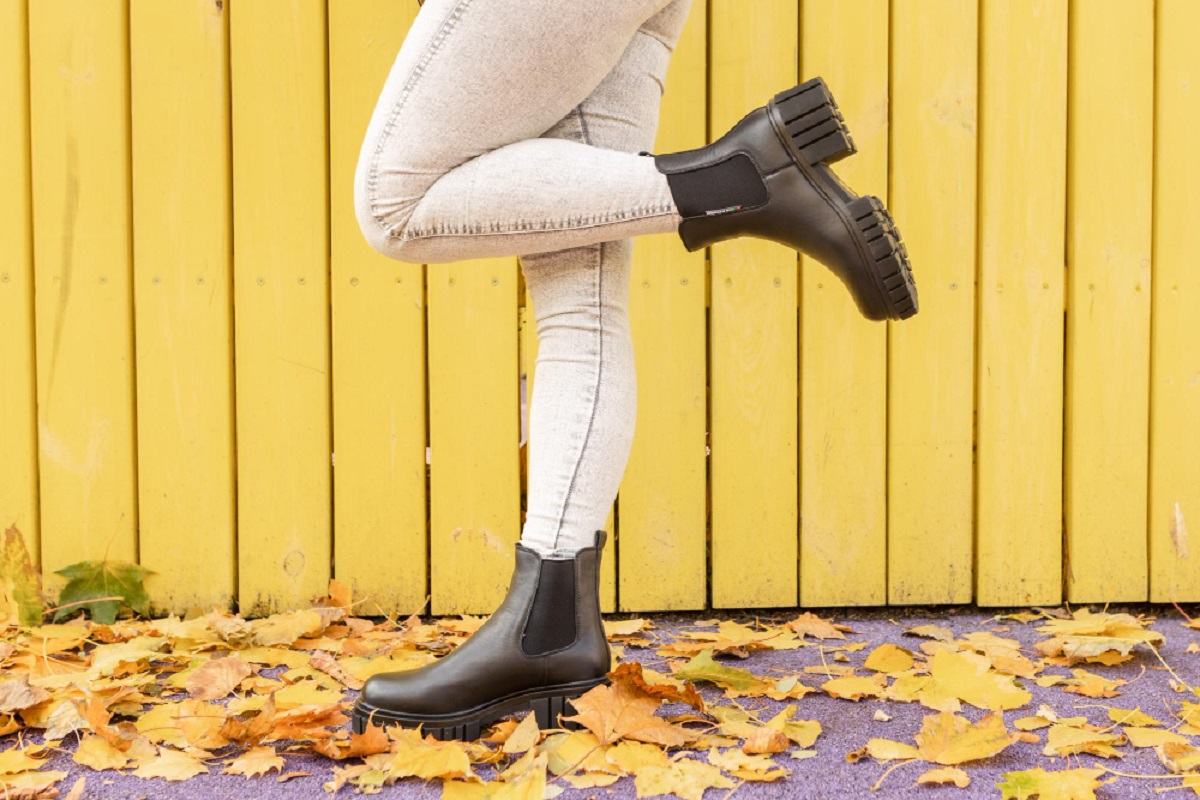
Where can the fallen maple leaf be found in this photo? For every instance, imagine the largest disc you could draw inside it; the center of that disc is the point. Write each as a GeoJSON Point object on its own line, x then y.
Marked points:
{"type": "Point", "coordinates": [809, 624]}
{"type": "Point", "coordinates": [217, 677]}
{"type": "Point", "coordinates": [255, 761]}
{"type": "Point", "coordinates": [948, 739]}
{"type": "Point", "coordinates": [686, 778]}
{"type": "Point", "coordinates": [1068, 784]}
{"type": "Point", "coordinates": [945, 775]}
{"type": "Point", "coordinates": [171, 765]}
{"type": "Point", "coordinates": [624, 711]}
{"type": "Point", "coordinates": [101, 587]}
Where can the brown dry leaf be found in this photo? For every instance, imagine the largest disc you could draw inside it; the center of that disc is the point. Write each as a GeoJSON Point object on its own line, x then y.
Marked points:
{"type": "Point", "coordinates": [931, 632]}
{"type": "Point", "coordinates": [1178, 757]}
{"type": "Point", "coordinates": [624, 711]}
{"type": "Point", "coordinates": [97, 714]}
{"type": "Point", "coordinates": [1085, 636]}
{"type": "Point", "coordinates": [809, 624]}
{"type": "Point", "coordinates": [686, 778]}
{"type": "Point", "coordinates": [329, 665]}
{"type": "Point", "coordinates": [17, 694]}
{"type": "Point", "coordinates": [941, 775]}
{"type": "Point", "coordinates": [217, 677]}
{"type": "Point", "coordinates": [256, 761]}
{"type": "Point", "coordinates": [254, 729]}
{"type": "Point", "coordinates": [949, 739]}
{"type": "Point", "coordinates": [371, 741]}
{"type": "Point", "coordinates": [171, 765]}
{"type": "Point", "coordinates": [631, 672]}
{"type": "Point", "coordinates": [765, 740]}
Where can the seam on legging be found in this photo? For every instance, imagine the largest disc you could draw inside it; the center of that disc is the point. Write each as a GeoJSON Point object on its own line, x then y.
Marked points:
{"type": "Point", "coordinates": [529, 226]}
{"type": "Point", "coordinates": [562, 514]}
{"type": "Point", "coordinates": [447, 27]}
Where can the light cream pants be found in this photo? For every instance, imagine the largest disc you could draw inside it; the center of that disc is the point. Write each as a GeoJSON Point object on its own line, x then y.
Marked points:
{"type": "Point", "coordinates": [513, 127]}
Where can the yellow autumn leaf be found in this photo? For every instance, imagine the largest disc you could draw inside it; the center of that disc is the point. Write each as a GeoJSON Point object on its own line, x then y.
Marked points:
{"type": "Point", "coordinates": [686, 778]}
{"type": "Point", "coordinates": [216, 678]}
{"type": "Point", "coordinates": [1134, 717]}
{"type": "Point", "coordinates": [747, 767]}
{"type": "Point", "coordinates": [622, 711]}
{"type": "Point", "coordinates": [803, 732]}
{"type": "Point", "coordinates": [809, 624]}
{"type": "Point", "coordinates": [969, 676]}
{"type": "Point", "coordinates": [629, 756]}
{"type": "Point", "coordinates": [1149, 737]}
{"type": "Point", "coordinates": [949, 739]}
{"type": "Point", "coordinates": [888, 750]}
{"type": "Point", "coordinates": [427, 759]}
{"type": "Point", "coordinates": [525, 736]}
{"type": "Point", "coordinates": [854, 687]}
{"type": "Point", "coordinates": [1068, 784]}
{"type": "Point", "coordinates": [1062, 740]}
{"type": "Point", "coordinates": [945, 775]}
{"type": "Point", "coordinates": [889, 658]}
{"type": "Point", "coordinates": [255, 761]}
{"type": "Point", "coordinates": [171, 765]}
{"type": "Point", "coordinates": [96, 752]}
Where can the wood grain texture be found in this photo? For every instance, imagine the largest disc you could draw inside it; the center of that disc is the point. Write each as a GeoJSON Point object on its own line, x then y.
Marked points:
{"type": "Point", "coordinates": [1174, 498]}
{"type": "Point", "coordinates": [663, 497]}
{"type": "Point", "coordinates": [1109, 188]}
{"type": "Point", "coordinates": [1019, 378]}
{"type": "Point", "coordinates": [183, 269]}
{"type": "Point", "coordinates": [843, 356]}
{"type": "Point", "coordinates": [18, 403]}
{"type": "Point", "coordinates": [79, 85]}
{"type": "Point", "coordinates": [380, 428]}
{"type": "Point", "coordinates": [281, 257]}
{"type": "Point", "coordinates": [753, 371]}
{"type": "Point", "coordinates": [931, 377]}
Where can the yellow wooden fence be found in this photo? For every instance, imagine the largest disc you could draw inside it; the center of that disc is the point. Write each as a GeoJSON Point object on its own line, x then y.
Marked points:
{"type": "Point", "coordinates": [205, 368]}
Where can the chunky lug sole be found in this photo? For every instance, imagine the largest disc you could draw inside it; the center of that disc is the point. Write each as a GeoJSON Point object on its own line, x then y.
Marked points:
{"type": "Point", "coordinates": [810, 125]}
{"type": "Point", "coordinates": [548, 704]}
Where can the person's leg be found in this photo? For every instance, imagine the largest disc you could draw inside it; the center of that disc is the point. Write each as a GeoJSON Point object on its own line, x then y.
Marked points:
{"type": "Point", "coordinates": [581, 415]}
{"type": "Point", "coordinates": [454, 164]}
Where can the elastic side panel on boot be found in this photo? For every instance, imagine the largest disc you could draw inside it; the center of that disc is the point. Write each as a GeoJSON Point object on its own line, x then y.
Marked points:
{"type": "Point", "coordinates": [732, 184]}
{"type": "Point", "coordinates": [551, 622]}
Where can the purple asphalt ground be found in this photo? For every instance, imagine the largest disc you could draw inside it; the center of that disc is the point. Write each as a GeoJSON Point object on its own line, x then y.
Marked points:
{"type": "Point", "coordinates": [847, 725]}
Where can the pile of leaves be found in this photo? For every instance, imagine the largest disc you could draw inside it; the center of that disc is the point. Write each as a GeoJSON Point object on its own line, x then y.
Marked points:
{"type": "Point", "coordinates": [268, 699]}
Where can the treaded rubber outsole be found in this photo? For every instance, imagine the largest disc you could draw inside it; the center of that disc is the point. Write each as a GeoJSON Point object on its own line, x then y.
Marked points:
{"type": "Point", "coordinates": [817, 133]}
{"type": "Point", "coordinates": [547, 705]}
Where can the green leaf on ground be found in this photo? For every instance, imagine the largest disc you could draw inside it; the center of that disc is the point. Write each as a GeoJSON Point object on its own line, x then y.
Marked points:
{"type": "Point", "coordinates": [101, 587]}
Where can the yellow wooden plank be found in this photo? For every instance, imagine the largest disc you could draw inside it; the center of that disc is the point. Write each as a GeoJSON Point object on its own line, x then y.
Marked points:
{"type": "Point", "coordinates": [182, 245]}
{"type": "Point", "coordinates": [79, 95]}
{"type": "Point", "coordinates": [1022, 168]}
{"type": "Point", "coordinates": [528, 344]}
{"type": "Point", "coordinates": [379, 422]}
{"type": "Point", "coordinates": [843, 356]}
{"type": "Point", "coordinates": [1109, 186]}
{"type": "Point", "coordinates": [18, 404]}
{"type": "Point", "coordinates": [1175, 358]}
{"type": "Point", "coordinates": [662, 503]}
{"type": "Point", "coordinates": [931, 378]}
{"type": "Point", "coordinates": [753, 338]}
{"type": "Point", "coordinates": [474, 432]}
{"type": "Point", "coordinates": [281, 253]}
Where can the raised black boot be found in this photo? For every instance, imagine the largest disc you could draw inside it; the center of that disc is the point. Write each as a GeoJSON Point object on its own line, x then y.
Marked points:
{"type": "Point", "coordinates": [543, 647]}
{"type": "Point", "coordinates": [769, 177]}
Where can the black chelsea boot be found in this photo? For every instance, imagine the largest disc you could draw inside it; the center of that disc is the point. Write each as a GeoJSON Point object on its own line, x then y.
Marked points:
{"type": "Point", "coordinates": [543, 647]}
{"type": "Point", "coordinates": [769, 177]}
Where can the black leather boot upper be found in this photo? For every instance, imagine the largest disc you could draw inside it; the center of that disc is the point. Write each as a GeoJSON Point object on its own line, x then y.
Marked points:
{"type": "Point", "coordinates": [547, 632]}
{"type": "Point", "coordinates": [769, 177]}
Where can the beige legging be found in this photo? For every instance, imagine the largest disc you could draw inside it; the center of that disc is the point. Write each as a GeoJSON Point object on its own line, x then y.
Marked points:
{"type": "Point", "coordinates": [513, 128]}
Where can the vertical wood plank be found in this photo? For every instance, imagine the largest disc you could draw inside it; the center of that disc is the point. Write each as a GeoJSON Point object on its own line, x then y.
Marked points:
{"type": "Point", "coordinates": [1022, 169]}
{"type": "Point", "coordinates": [474, 420]}
{"type": "Point", "coordinates": [79, 87]}
{"type": "Point", "coordinates": [931, 377]}
{"type": "Point", "coordinates": [843, 356]}
{"type": "Point", "coordinates": [662, 501]}
{"type": "Point", "coordinates": [1110, 171]}
{"type": "Point", "coordinates": [182, 278]}
{"type": "Point", "coordinates": [18, 403]}
{"type": "Point", "coordinates": [753, 346]}
{"type": "Point", "coordinates": [1175, 357]}
{"type": "Point", "coordinates": [281, 257]}
{"type": "Point", "coordinates": [528, 344]}
{"type": "Point", "coordinates": [379, 422]}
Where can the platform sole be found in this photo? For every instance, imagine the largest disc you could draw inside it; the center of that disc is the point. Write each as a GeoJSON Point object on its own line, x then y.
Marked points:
{"type": "Point", "coordinates": [809, 122]}
{"type": "Point", "coordinates": [548, 704]}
